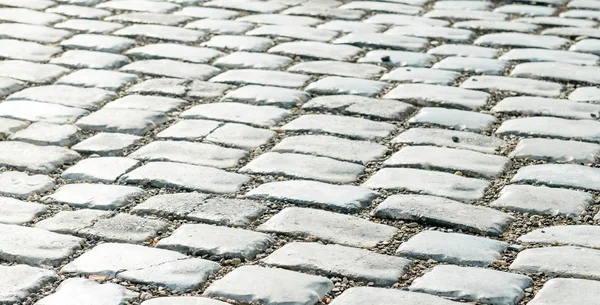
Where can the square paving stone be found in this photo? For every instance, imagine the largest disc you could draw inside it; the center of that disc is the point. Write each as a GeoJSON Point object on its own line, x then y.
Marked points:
{"type": "Point", "coordinates": [31, 51]}
{"type": "Point", "coordinates": [125, 228]}
{"type": "Point", "coordinates": [444, 212]}
{"type": "Point", "coordinates": [144, 265]}
{"type": "Point", "coordinates": [131, 121]}
{"type": "Point", "coordinates": [586, 130]}
{"type": "Point", "coordinates": [171, 68]}
{"type": "Point", "coordinates": [148, 102]}
{"type": "Point", "coordinates": [453, 248]}
{"type": "Point", "coordinates": [560, 175]}
{"type": "Point", "coordinates": [433, 95]}
{"type": "Point", "coordinates": [33, 158]}
{"type": "Point", "coordinates": [422, 75]}
{"type": "Point", "coordinates": [41, 133]}
{"type": "Point", "coordinates": [270, 286]}
{"type": "Point", "coordinates": [304, 167]}
{"type": "Point", "coordinates": [452, 118]}
{"type": "Point", "coordinates": [13, 211]}
{"type": "Point", "coordinates": [75, 291]}
{"type": "Point", "coordinates": [317, 194]}
{"type": "Point", "coordinates": [327, 146]}
{"type": "Point", "coordinates": [31, 72]}
{"type": "Point", "coordinates": [202, 89]}
{"type": "Point", "coordinates": [263, 116]}
{"type": "Point", "coordinates": [473, 284]}
{"type": "Point", "coordinates": [35, 246]}
{"type": "Point", "coordinates": [95, 196]}
{"type": "Point", "coordinates": [337, 228]}
{"type": "Point", "coordinates": [261, 77]}
{"type": "Point", "coordinates": [201, 239]}
{"type": "Point", "coordinates": [189, 130]}
{"type": "Point", "coordinates": [95, 42]}
{"type": "Point", "coordinates": [239, 135]}
{"type": "Point", "coordinates": [90, 59]}
{"type": "Point", "coordinates": [190, 152]}
{"type": "Point", "coordinates": [109, 80]}
{"type": "Point", "coordinates": [18, 281]}
{"type": "Point", "coordinates": [563, 261]}
{"type": "Point", "coordinates": [174, 51]}
{"type": "Point", "coordinates": [246, 60]}
{"type": "Point", "coordinates": [86, 98]}
{"type": "Point", "coordinates": [575, 235]}
{"type": "Point", "coordinates": [513, 84]}
{"type": "Point", "coordinates": [340, 125]}
{"type": "Point", "coordinates": [543, 200]}
{"type": "Point", "coordinates": [239, 43]}
{"type": "Point", "coordinates": [44, 112]}
{"type": "Point", "coordinates": [316, 49]}
{"type": "Point", "coordinates": [382, 296]}
{"type": "Point", "coordinates": [576, 291]}
{"type": "Point", "coordinates": [468, 162]}
{"type": "Point", "coordinates": [335, 260]}
{"type": "Point", "coordinates": [107, 144]}
{"type": "Point", "coordinates": [429, 183]}
{"type": "Point", "coordinates": [556, 150]}
{"type": "Point", "coordinates": [266, 95]}
{"type": "Point", "coordinates": [186, 176]}
{"type": "Point", "coordinates": [101, 169]}
{"type": "Point", "coordinates": [346, 85]}
{"type": "Point", "coordinates": [354, 104]}
{"type": "Point", "coordinates": [22, 185]}
{"type": "Point", "coordinates": [71, 222]}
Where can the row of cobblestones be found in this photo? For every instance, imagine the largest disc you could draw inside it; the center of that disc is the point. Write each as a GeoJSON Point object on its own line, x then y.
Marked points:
{"type": "Point", "coordinates": [339, 152]}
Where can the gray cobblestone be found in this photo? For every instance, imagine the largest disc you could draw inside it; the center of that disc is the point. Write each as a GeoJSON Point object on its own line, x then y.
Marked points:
{"type": "Point", "coordinates": [381, 296]}
{"type": "Point", "coordinates": [88, 291]}
{"type": "Point", "coordinates": [22, 185]}
{"type": "Point", "coordinates": [552, 127]}
{"type": "Point", "coordinates": [511, 84]}
{"type": "Point", "coordinates": [444, 138]}
{"type": "Point", "coordinates": [556, 291]}
{"type": "Point", "coordinates": [565, 261]}
{"type": "Point", "coordinates": [346, 85]}
{"type": "Point", "coordinates": [41, 133]}
{"type": "Point", "coordinates": [13, 211]}
{"type": "Point", "coordinates": [421, 75]}
{"type": "Point", "coordinates": [110, 80]}
{"type": "Point", "coordinates": [19, 281]}
{"type": "Point", "coordinates": [556, 150]}
{"type": "Point", "coordinates": [95, 42]}
{"type": "Point", "coordinates": [431, 95]}
{"type": "Point", "coordinates": [77, 97]}
{"type": "Point", "coordinates": [107, 144]}
{"type": "Point", "coordinates": [99, 196]}
{"type": "Point", "coordinates": [33, 158]}
{"type": "Point", "coordinates": [102, 169]}
{"type": "Point", "coordinates": [348, 126]}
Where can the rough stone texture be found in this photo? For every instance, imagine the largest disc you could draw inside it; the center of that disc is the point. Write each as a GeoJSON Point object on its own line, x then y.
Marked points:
{"type": "Point", "coordinates": [444, 212]}
{"type": "Point", "coordinates": [347, 126]}
{"type": "Point", "coordinates": [444, 138]}
{"type": "Point", "coordinates": [354, 104]}
{"type": "Point", "coordinates": [552, 127]}
{"type": "Point", "coordinates": [22, 185]}
{"type": "Point", "coordinates": [453, 248]}
{"type": "Point", "coordinates": [13, 211]}
{"type": "Point", "coordinates": [564, 261]}
{"type": "Point", "coordinates": [107, 144]}
{"type": "Point", "coordinates": [89, 292]}
{"type": "Point", "coordinates": [99, 196]}
{"type": "Point", "coordinates": [560, 175]}
{"type": "Point", "coordinates": [33, 158]}
{"type": "Point", "coordinates": [382, 296]}
{"type": "Point", "coordinates": [19, 281]}
{"type": "Point", "coordinates": [72, 222]}
{"type": "Point", "coordinates": [454, 119]}
{"type": "Point", "coordinates": [145, 265]}
{"type": "Point", "coordinates": [86, 98]}
{"type": "Point", "coordinates": [556, 150]}
{"type": "Point", "coordinates": [581, 235]}
{"type": "Point", "coordinates": [473, 284]}
{"type": "Point", "coordinates": [262, 116]}
{"type": "Point", "coordinates": [120, 120]}
{"type": "Point", "coordinates": [543, 200]}
{"type": "Point", "coordinates": [270, 286]}
{"type": "Point", "coordinates": [556, 291]}
{"type": "Point", "coordinates": [342, 229]}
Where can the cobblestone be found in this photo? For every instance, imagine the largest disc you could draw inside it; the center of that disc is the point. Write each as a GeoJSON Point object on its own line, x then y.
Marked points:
{"type": "Point", "coordinates": [89, 291]}
{"type": "Point", "coordinates": [19, 281]}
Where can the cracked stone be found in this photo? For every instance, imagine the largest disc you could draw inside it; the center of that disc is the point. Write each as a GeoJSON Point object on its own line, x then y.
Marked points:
{"type": "Point", "coordinates": [101, 169]}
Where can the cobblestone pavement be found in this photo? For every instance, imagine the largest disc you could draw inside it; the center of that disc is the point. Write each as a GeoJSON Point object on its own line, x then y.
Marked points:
{"type": "Point", "coordinates": [191, 152]}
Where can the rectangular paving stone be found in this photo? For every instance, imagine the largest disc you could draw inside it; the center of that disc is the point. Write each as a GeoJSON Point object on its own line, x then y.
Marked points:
{"type": "Point", "coordinates": [560, 175]}
{"type": "Point", "coordinates": [433, 95]}
{"type": "Point", "coordinates": [440, 211]}
{"type": "Point", "coordinates": [103, 79]}
{"type": "Point", "coordinates": [171, 68]}
{"type": "Point", "coordinates": [95, 196]}
{"type": "Point", "coordinates": [513, 84]}
{"type": "Point", "coordinates": [161, 86]}
{"type": "Point", "coordinates": [143, 265]}
{"type": "Point", "coordinates": [35, 246]}
{"type": "Point", "coordinates": [189, 130]}
{"type": "Point", "coordinates": [161, 32]}
{"type": "Point", "coordinates": [329, 67]}
{"type": "Point", "coordinates": [294, 32]}
{"type": "Point", "coordinates": [539, 106]}
{"type": "Point", "coordinates": [450, 138]}
{"type": "Point", "coordinates": [335, 260]}
{"type": "Point", "coordinates": [556, 291]}
{"type": "Point", "coordinates": [17, 212]}
{"type": "Point", "coordinates": [207, 12]}
{"type": "Point", "coordinates": [464, 50]}
{"type": "Point", "coordinates": [89, 291]}
{"type": "Point", "coordinates": [521, 40]}
{"type": "Point", "coordinates": [338, 228]}
{"type": "Point", "coordinates": [332, 147]}
{"type": "Point", "coordinates": [397, 58]}
{"type": "Point", "coordinates": [496, 25]}
{"type": "Point", "coordinates": [563, 261]}
{"type": "Point", "coordinates": [575, 31]}
{"type": "Point", "coordinates": [101, 43]}
{"type": "Point", "coordinates": [201, 239]}
{"type": "Point", "coordinates": [382, 7]}
{"type": "Point", "coordinates": [376, 40]}
{"type": "Point", "coordinates": [429, 183]}
{"type": "Point", "coordinates": [354, 104]}
{"type": "Point", "coordinates": [131, 121]}
{"type": "Point", "coordinates": [89, 26]}
{"type": "Point", "coordinates": [220, 26]}
{"type": "Point", "coordinates": [185, 176]}
{"type": "Point", "coordinates": [346, 126]}
{"type": "Point", "coordinates": [473, 284]}
{"type": "Point", "coordinates": [541, 200]}
{"type": "Point", "coordinates": [468, 162]}
{"type": "Point", "coordinates": [266, 95]}
{"type": "Point", "coordinates": [422, 75]}
{"type": "Point", "coordinates": [556, 150]}
{"type": "Point", "coordinates": [252, 284]}
{"type": "Point", "coordinates": [525, 10]}
{"type": "Point", "coordinates": [324, 12]}
{"type": "Point", "coordinates": [316, 49]}
{"type": "Point", "coordinates": [31, 72]}
{"type": "Point", "coordinates": [37, 33]}
{"type": "Point", "coordinates": [313, 193]}
{"type": "Point", "coordinates": [239, 43]}
{"type": "Point", "coordinates": [24, 50]}
{"type": "Point", "coordinates": [397, 19]}
{"type": "Point", "coordinates": [9, 85]}
{"type": "Point", "coordinates": [586, 130]}
{"type": "Point", "coordinates": [125, 228]}
{"type": "Point", "coordinates": [453, 248]}
{"type": "Point", "coordinates": [34, 158]}
{"type": "Point", "coordinates": [189, 152]}
{"type": "Point", "coordinates": [452, 118]}
{"type": "Point", "coordinates": [90, 59]}
{"type": "Point", "coordinates": [585, 94]}
{"type": "Point", "coordinates": [150, 18]}
{"type": "Point", "coordinates": [457, 14]}
{"type": "Point", "coordinates": [43, 112]}
{"type": "Point", "coordinates": [107, 144]}
{"type": "Point", "coordinates": [351, 26]}
{"type": "Point", "coordinates": [148, 103]}
{"type": "Point", "coordinates": [304, 166]}
{"type": "Point", "coordinates": [19, 281]}
{"type": "Point", "coordinates": [240, 135]}
{"type": "Point", "coordinates": [586, 45]}
{"type": "Point", "coordinates": [99, 169]}
{"type": "Point", "coordinates": [346, 85]}
{"type": "Point", "coordinates": [537, 55]}
{"type": "Point", "coordinates": [261, 77]}
{"type": "Point", "coordinates": [246, 60]}
{"type": "Point", "coordinates": [77, 11]}
{"type": "Point", "coordinates": [31, 4]}
{"type": "Point", "coordinates": [174, 51]}
{"type": "Point", "coordinates": [434, 32]}
{"type": "Point", "coordinates": [382, 296]}
{"type": "Point", "coordinates": [249, 6]}
{"type": "Point", "coordinates": [263, 116]}
{"type": "Point", "coordinates": [475, 65]}
{"type": "Point", "coordinates": [576, 235]}
{"type": "Point", "coordinates": [21, 185]}
{"type": "Point", "coordinates": [558, 21]}
{"type": "Point", "coordinates": [279, 19]}
{"type": "Point", "coordinates": [22, 15]}
{"type": "Point", "coordinates": [10, 126]}
{"type": "Point", "coordinates": [557, 71]}
{"type": "Point", "coordinates": [139, 5]}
